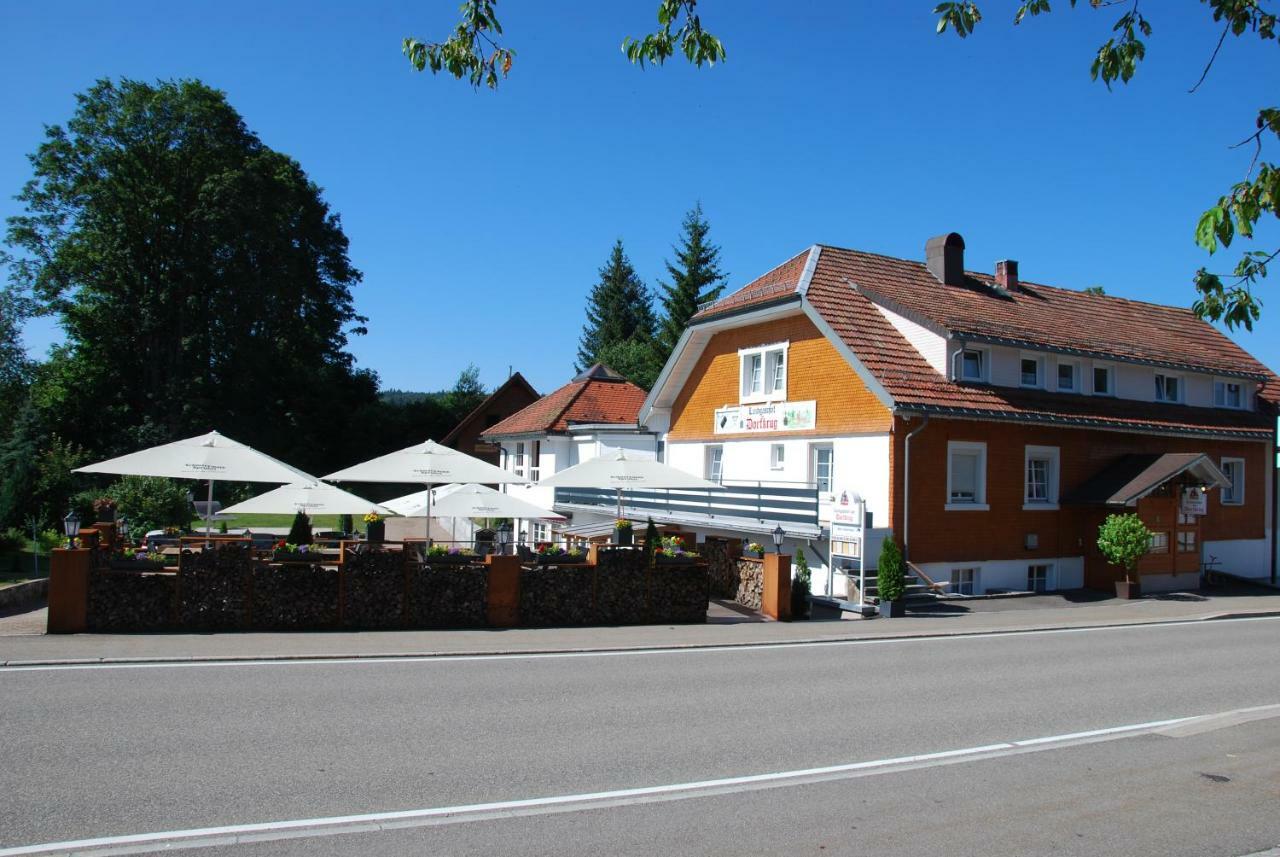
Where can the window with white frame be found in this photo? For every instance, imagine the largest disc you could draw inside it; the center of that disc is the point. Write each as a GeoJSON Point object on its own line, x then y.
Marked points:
{"type": "Point", "coordinates": [1228, 394]}
{"type": "Point", "coordinates": [822, 467]}
{"type": "Point", "coordinates": [966, 474]}
{"type": "Point", "coordinates": [1159, 543]}
{"type": "Point", "coordinates": [1103, 381]}
{"type": "Point", "coordinates": [715, 463]}
{"type": "Point", "coordinates": [1038, 577]}
{"type": "Point", "coordinates": [1040, 486]}
{"type": "Point", "coordinates": [763, 373]}
{"type": "Point", "coordinates": [540, 533]}
{"type": "Point", "coordinates": [964, 581]}
{"type": "Point", "coordinates": [535, 460]}
{"type": "Point", "coordinates": [1068, 377]}
{"type": "Point", "coordinates": [1233, 469]}
{"type": "Point", "coordinates": [660, 450]}
{"type": "Point", "coordinates": [1032, 371]}
{"type": "Point", "coordinates": [1168, 388]}
{"type": "Point", "coordinates": [518, 459]}
{"type": "Point", "coordinates": [1186, 541]}
{"type": "Point", "coordinates": [777, 456]}
{"type": "Point", "coordinates": [973, 365]}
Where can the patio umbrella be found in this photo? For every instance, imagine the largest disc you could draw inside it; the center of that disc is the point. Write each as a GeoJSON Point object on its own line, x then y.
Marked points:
{"type": "Point", "coordinates": [313, 497]}
{"type": "Point", "coordinates": [208, 456]}
{"type": "Point", "coordinates": [428, 463]}
{"type": "Point", "coordinates": [620, 472]}
{"type": "Point", "coordinates": [472, 501]}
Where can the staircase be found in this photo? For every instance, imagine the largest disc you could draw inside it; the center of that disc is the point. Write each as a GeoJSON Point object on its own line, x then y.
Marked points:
{"type": "Point", "coordinates": [917, 587]}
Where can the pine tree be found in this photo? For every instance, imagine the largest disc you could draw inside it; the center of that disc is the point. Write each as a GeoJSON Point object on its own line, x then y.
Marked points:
{"type": "Point", "coordinates": [695, 278]}
{"type": "Point", "coordinates": [619, 310]}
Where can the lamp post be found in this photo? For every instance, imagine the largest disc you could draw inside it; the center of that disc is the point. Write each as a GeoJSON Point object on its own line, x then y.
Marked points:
{"type": "Point", "coordinates": [71, 528]}
{"type": "Point", "coordinates": [778, 535]}
{"type": "Point", "coordinates": [504, 537]}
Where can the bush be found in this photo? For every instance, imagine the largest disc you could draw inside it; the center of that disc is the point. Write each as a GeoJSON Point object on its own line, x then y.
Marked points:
{"type": "Point", "coordinates": [12, 540]}
{"type": "Point", "coordinates": [651, 542]}
{"type": "Point", "coordinates": [48, 540]}
{"type": "Point", "coordinates": [800, 587]}
{"type": "Point", "coordinates": [890, 571]}
{"type": "Point", "coordinates": [152, 503]}
{"type": "Point", "coordinates": [300, 531]}
{"type": "Point", "coordinates": [1123, 540]}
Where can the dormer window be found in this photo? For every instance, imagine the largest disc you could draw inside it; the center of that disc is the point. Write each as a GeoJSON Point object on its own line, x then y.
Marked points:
{"type": "Point", "coordinates": [1228, 394]}
{"type": "Point", "coordinates": [1103, 381]}
{"type": "Point", "coordinates": [764, 373]}
{"type": "Point", "coordinates": [973, 365]}
{"type": "Point", "coordinates": [1068, 381]}
{"type": "Point", "coordinates": [1168, 388]}
{"type": "Point", "coordinates": [1032, 372]}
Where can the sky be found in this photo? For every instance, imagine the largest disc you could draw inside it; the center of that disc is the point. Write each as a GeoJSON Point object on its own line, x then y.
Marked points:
{"type": "Point", "coordinates": [480, 219]}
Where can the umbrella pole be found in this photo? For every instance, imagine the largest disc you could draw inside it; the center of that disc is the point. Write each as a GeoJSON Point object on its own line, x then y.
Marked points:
{"type": "Point", "coordinates": [619, 518]}
{"type": "Point", "coordinates": [208, 514]}
{"type": "Point", "coordinates": [428, 515]}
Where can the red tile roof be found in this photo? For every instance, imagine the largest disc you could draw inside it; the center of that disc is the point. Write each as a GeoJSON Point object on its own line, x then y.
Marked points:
{"type": "Point", "coordinates": [844, 283]}
{"type": "Point", "coordinates": [777, 283]}
{"type": "Point", "coordinates": [593, 397]}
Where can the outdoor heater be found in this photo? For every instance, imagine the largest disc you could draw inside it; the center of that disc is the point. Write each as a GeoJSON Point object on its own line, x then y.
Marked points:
{"type": "Point", "coordinates": [71, 527]}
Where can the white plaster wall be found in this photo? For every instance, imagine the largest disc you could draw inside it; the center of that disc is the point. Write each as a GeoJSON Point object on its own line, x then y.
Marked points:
{"type": "Point", "coordinates": [1135, 382]}
{"type": "Point", "coordinates": [636, 445]}
{"type": "Point", "coordinates": [932, 347]}
{"type": "Point", "coordinates": [1245, 557]}
{"type": "Point", "coordinates": [862, 465]}
{"type": "Point", "coordinates": [1067, 573]}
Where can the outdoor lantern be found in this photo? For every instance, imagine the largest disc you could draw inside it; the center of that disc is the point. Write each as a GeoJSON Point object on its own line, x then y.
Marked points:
{"type": "Point", "coordinates": [778, 536]}
{"type": "Point", "coordinates": [504, 536]}
{"type": "Point", "coordinates": [71, 527]}
{"type": "Point", "coordinates": [124, 527]}
{"type": "Point", "coordinates": [524, 537]}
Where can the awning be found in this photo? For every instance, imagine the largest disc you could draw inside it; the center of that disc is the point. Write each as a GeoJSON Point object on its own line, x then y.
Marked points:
{"type": "Point", "coordinates": [595, 529]}
{"type": "Point", "coordinates": [1133, 477]}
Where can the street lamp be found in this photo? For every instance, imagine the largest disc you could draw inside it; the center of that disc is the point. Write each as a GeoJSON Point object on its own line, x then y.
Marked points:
{"type": "Point", "coordinates": [71, 527]}
{"type": "Point", "coordinates": [504, 537]}
{"type": "Point", "coordinates": [778, 536]}
{"type": "Point", "coordinates": [524, 537]}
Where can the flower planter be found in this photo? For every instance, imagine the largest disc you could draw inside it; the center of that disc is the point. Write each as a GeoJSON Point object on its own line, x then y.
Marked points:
{"type": "Point", "coordinates": [893, 609]}
{"type": "Point", "coordinates": [451, 559]}
{"type": "Point", "coordinates": [376, 531]}
{"type": "Point", "coordinates": [623, 537]}
{"type": "Point", "coordinates": [135, 565]}
{"type": "Point", "coordinates": [284, 558]}
{"type": "Point", "coordinates": [1128, 589]}
{"type": "Point", "coordinates": [675, 560]}
{"type": "Point", "coordinates": [561, 560]}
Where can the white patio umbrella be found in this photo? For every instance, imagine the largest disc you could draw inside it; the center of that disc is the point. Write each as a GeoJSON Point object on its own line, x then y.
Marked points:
{"type": "Point", "coordinates": [427, 463]}
{"type": "Point", "coordinates": [472, 501]}
{"type": "Point", "coordinates": [620, 473]}
{"type": "Point", "coordinates": [208, 456]}
{"type": "Point", "coordinates": [313, 497]}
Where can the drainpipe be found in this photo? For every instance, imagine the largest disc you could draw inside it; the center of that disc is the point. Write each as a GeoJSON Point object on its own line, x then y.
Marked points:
{"type": "Point", "coordinates": [1275, 501]}
{"type": "Point", "coordinates": [906, 487]}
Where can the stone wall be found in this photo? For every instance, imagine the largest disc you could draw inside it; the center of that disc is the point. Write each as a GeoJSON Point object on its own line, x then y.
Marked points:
{"type": "Point", "coordinates": [448, 596]}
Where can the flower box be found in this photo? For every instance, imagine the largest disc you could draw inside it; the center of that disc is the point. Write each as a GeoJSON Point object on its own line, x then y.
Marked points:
{"type": "Point", "coordinates": [675, 560]}
{"type": "Point", "coordinates": [451, 559]}
{"type": "Point", "coordinates": [294, 558]}
{"type": "Point", "coordinates": [135, 565]}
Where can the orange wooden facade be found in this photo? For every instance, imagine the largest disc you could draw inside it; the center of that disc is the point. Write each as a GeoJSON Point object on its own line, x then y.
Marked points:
{"type": "Point", "coordinates": [815, 372]}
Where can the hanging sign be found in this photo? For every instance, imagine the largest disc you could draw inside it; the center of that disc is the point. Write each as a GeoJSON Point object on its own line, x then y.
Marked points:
{"type": "Point", "coordinates": [1194, 501]}
{"type": "Point", "coordinates": [760, 419]}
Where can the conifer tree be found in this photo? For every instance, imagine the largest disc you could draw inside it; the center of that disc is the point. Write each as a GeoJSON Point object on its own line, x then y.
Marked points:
{"type": "Point", "coordinates": [695, 278]}
{"type": "Point", "coordinates": [619, 310]}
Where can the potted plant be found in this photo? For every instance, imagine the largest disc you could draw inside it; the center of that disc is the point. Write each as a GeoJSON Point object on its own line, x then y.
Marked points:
{"type": "Point", "coordinates": [375, 529]}
{"type": "Point", "coordinates": [548, 554]}
{"type": "Point", "coordinates": [622, 533]}
{"type": "Point", "coordinates": [754, 549]}
{"type": "Point", "coordinates": [104, 508]}
{"type": "Point", "coordinates": [290, 553]}
{"type": "Point", "coordinates": [800, 587]}
{"type": "Point", "coordinates": [651, 543]}
{"type": "Point", "coordinates": [441, 555]}
{"type": "Point", "coordinates": [672, 552]}
{"type": "Point", "coordinates": [1123, 540]}
{"type": "Point", "coordinates": [890, 580]}
{"type": "Point", "coordinates": [300, 530]}
{"type": "Point", "coordinates": [131, 559]}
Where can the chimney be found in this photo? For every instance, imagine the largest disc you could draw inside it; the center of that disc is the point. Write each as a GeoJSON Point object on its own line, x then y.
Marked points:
{"type": "Point", "coordinates": [944, 255]}
{"type": "Point", "coordinates": [1007, 275]}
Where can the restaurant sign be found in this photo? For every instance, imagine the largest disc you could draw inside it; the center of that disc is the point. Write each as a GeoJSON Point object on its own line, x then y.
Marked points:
{"type": "Point", "coordinates": [1194, 501]}
{"type": "Point", "coordinates": [761, 419]}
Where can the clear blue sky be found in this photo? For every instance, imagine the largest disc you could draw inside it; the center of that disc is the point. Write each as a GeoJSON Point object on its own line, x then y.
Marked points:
{"type": "Point", "coordinates": [479, 219]}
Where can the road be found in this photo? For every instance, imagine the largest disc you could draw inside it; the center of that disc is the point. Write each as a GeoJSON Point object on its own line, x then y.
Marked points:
{"type": "Point", "coordinates": [874, 747]}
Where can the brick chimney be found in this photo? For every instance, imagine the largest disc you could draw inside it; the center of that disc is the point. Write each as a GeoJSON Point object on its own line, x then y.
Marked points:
{"type": "Point", "coordinates": [1007, 275]}
{"type": "Point", "coordinates": [944, 256]}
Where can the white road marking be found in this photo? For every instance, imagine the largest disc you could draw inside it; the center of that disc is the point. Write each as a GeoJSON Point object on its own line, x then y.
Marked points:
{"type": "Point", "coordinates": [378, 821]}
{"type": "Point", "coordinates": [740, 648]}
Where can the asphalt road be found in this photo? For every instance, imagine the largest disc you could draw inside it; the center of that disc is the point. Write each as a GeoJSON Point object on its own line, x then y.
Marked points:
{"type": "Point", "coordinates": [107, 752]}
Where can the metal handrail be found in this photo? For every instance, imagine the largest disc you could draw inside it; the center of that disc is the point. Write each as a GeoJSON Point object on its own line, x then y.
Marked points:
{"type": "Point", "coordinates": [928, 581]}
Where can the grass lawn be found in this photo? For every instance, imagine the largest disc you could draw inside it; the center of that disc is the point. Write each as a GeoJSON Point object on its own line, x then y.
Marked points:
{"type": "Point", "coordinates": [238, 522]}
{"type": "Point", "coordinates": [15, 567]}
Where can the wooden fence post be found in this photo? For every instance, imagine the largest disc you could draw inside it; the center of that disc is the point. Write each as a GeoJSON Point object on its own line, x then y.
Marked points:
{"type": "Point", "coordinates": [775, 599]}
{"type": "Point", "coordinates": [503, 608]}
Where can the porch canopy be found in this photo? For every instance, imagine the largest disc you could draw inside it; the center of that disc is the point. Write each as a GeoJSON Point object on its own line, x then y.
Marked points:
{"type": "Point", "coordinates": [1133, 477]}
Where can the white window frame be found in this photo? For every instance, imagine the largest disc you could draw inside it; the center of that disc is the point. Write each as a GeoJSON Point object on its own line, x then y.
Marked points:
{"type": "Point", "coordinates": [956, 584]}
{"type": "Point", "coordinates": [1181, 538]}
{"type": "Point", "coordinates": [1048, 576]}
{"type": "Point", "coordinates": [535, 460]}
{"type": "Point", "coordinates": [979, 502]}
{"type": "Point", "coordinates": [1162, 380]}
{"type": "Point", "coordinates": [1158, 543]}
{"type": "Point", "coordinates": [984, 364]}
{"type": "Point", "coordinates": [1236, 497]}
{"type": "Point", "coordinates": [814, 449]}
{"type": "Point", "coordinates": [1220, 388]}
{"type": "Point", "coordinates": [771, 356]}
{"type": "Point", "coordinates": [777, 456]}
{"type": "Point", "coordinates": [1074, 366]}
{"type": "Point", "coordinates": [517, 465]}
{"type": "Point", "coordinates": [1038, 360]}
{"type": "Point", "coordinates": [713, 463]}
{"type": "Point", "coordinates": [1052, 454]}
{"type": "Point", "coordinates": [1111, 379]}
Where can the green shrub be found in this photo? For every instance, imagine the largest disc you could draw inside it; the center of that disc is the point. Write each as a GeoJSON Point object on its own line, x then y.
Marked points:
{"type": "Point", "coordinates": [651, 542]}
{"type": "Point", "coordinates": [12, 540]}
{"type": "Point", "coordinates": [50, 539]}
{"type": "Point", "coordinates": [1123, 540]}
{"type": "Point", "coordinates": [222, 527]}
{"type": "Point", "coordinates": [300, 530]}
{"type": "Point", "coordinates": [890, 571]}
{"type": "Point", "coordinates": [151, 503]}
{"type": "Point", "coordinates": [800, 587]}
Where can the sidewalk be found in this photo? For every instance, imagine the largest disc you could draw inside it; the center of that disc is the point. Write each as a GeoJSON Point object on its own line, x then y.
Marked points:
{"type": "Point", "coordinates": [22, 640]}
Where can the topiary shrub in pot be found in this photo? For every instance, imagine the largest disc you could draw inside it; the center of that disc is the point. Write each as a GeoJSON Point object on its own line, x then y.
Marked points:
{"type": "Point", "coordinates": [800, 587]}
{"type": "Point", "coordinates": [1123, 540]}
{"type": "Point", "coordinates": [890, 579]}
{"type": "Point", "coordinates": [300, 531]}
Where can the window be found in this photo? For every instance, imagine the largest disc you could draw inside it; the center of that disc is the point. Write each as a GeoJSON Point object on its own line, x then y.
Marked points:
{"type": "Point", "coordinates": [966, 475]}
{"type": "Point", "coordinates": [777, 456]}
{"type": "Point", "coordinates": [660, 450]}
{"type": "Point", "coordinates": [764, 373]}
{"type": "Point", "coordinates": [1102, 380]}
{"type": "Point", "coordinates": [540, 533]}
{"type": "Point", "coordinates": [972, 365]}
{"type": "Point", "coordinates": [1067, 377]}
{"type": "Point", "coordinates": [535, 461]}
{"type": "Point", "coordinates": [1031, 368]}
{"type": "Point", "coordinates": [1186, 541]}
{"type": "Point", "coordinates": [1041, 482]}
{"type": "Point", "coordinates": [823, 468]}
{"type": "Point", "coordinates": [1233, 469]}
{"type": "Point", "coordinates": [1037, 578]}
{"type": "Point", "coordinates": [519, 459]}
{"type": "Point", "coordinates": [715, 463]}
{"type": "Point", "coordinates": [1228, 394]}
{"type": "Point", "coordinates": [963, 580]}
{"type": "Point", "coordinates": [1159, 543]}
{"type": "Point", "coordinates": [1168, 388]}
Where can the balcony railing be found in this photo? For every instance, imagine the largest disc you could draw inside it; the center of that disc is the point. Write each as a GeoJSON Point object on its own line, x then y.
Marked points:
{"type": "Point", "coordinates": [787, 503]}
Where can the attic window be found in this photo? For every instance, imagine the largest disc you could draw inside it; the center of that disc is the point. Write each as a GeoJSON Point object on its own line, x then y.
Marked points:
{"type": "Point", "coordinates": [1228, 394]}
{"type": "Point", "coordinates": [763, 373]}
{"type": "Point", "coordinates": [1168, 388]}
{"type": "Point", "coordinates": [973, 365]}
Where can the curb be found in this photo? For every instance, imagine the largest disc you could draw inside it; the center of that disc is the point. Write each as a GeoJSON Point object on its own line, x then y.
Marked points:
{"type": "Point", "coordinates": [673, 647]}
